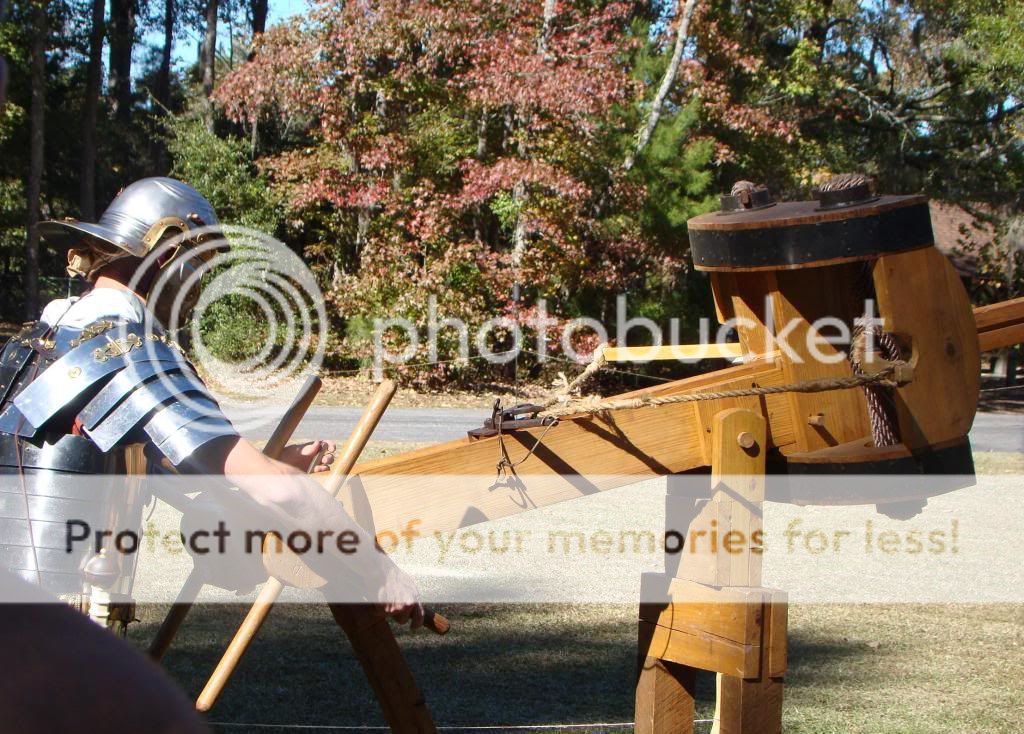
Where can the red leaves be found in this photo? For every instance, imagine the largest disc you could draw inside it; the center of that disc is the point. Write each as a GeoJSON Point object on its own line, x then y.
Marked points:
{"type": "Point", "coordinates": [281, 78]}
{"type": "Point", "coordinates": [577, 74]}
{"type": "Point", "coordinates": [442, 135]}
{"type": "Point", "coordinates": [480, 182]}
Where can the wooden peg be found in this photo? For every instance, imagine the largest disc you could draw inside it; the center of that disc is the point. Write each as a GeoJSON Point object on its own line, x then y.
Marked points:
{"type": "Point", "coordinates": [816, 419]}
{"type": "Point", "coordinates": [746, 440]}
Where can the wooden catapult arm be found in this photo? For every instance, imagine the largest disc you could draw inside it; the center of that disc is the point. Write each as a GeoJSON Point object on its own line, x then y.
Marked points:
{"type": "Point", "coordinates": [1000, 324]}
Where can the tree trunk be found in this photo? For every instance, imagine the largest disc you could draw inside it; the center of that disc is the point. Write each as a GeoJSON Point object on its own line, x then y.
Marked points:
{"type": "Point", "coordinates": [519, 190]}
{"type": "Point", "coordinates": [481, 152]}
{"type": "Point", "coordinates": [3, 62]}
{"type": "Point", "coordinates": [259, 16]}
{"type": "Point", "coordinates": [209, 59]}
{"type": "Point", "coordinates": [93, 81]}
{"type": "Point", "coordinates": [545, 30]}
{"type": "Point", "coordinates": [37, 119]}
{"type": "Point", "coordinates": [163, 76]}
{"type": "Point", "coordinates": [644, 136]}
{"type": "Point", "coordinates": [122, 41]}
{"type": "Point", "coordinates": [258, 9]}
{"type": "Point", "coordinates": [162, 89]}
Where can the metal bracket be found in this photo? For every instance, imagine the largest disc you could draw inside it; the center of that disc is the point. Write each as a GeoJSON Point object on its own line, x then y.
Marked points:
{"type": "Point", "coordinates": [504, 420]}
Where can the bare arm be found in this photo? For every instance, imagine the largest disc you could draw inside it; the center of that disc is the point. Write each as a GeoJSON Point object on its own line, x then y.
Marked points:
{"type": "Point", "coordinates": [299, 503]}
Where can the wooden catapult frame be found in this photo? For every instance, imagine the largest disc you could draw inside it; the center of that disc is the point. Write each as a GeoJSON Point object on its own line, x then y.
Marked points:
{"type": "Point", "coordinates": [769, 264]}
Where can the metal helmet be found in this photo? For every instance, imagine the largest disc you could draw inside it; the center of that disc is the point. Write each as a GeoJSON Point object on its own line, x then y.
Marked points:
{"type": "Point", "coordinates": [145, 215]}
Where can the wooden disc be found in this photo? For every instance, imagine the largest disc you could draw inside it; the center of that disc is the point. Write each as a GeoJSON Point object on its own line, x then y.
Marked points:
{"type": "Point", "coordinates": [920, 296]}
{"type": "Point", "coordinates": [801, 234]}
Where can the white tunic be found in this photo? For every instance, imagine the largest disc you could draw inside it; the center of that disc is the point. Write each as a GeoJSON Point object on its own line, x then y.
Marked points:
{"type": "Point", "coordinates": [99, 303]}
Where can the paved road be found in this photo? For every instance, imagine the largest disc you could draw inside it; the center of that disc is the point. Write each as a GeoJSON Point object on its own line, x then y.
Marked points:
{"type": "Point", "coordinates": [998, 432]}
{"type": "Point", "coordinates": [411, 425]}
{"type": "Point", "coordinates": [991, 432]}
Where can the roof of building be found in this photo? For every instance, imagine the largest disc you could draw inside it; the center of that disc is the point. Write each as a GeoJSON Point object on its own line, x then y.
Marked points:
{"type": "Point", "coordinates": [958, 233]}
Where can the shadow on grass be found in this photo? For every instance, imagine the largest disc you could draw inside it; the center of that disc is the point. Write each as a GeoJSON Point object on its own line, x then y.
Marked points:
{"type": "Point", "coordinates": [501, 664]}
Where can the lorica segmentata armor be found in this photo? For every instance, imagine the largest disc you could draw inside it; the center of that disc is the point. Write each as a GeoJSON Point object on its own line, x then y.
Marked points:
{"type": "Point", "coordinates": [76, 407]}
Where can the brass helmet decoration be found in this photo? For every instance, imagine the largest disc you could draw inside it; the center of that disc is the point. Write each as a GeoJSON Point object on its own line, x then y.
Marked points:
{"type": "Point", "coordinates": [163, 221]}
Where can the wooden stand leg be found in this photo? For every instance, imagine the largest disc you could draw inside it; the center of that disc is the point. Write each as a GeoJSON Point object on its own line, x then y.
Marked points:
{"type": "Point", "coordinates": [376, 648]}
{"type": "Point", "coordinates": [371, 637]}
{"type": "Point", "coordinates": [718, 617]}
{"type": "Point", "coordinates": [750, 706]}
{"type": "Point", "coordinates": [665, 697]}
{"type": "Point", "coordinates": [176, 616]}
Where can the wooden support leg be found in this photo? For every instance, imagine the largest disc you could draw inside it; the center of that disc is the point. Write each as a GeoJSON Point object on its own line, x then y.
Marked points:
{"type": "Point", "coordinates": [376, 648]}
{"type": "Point", "coordinates": [176, 616]}
{"type": "Point", "coordinates": [664, 697]}
{"type": "Point", "coordinates": [718, 617]}
{"type": "Point", "coordinates": [749, 706]}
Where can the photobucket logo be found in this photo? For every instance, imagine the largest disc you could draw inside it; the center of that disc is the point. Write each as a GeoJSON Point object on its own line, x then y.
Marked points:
{"type": "Point", "coordinates": [401, 341]}
{"type": "Point", "coordinates": [288, 331]}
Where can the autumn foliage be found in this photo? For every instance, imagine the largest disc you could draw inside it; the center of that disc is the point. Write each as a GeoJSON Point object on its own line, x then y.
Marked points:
{"type": "Point", "coordinates": [460, 148]}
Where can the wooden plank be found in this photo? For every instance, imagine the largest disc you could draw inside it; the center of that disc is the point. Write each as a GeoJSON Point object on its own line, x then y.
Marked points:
{"type": "Point", "coordinates": [734, 614]}
{"type": "Point", "coordinates": [787, 213]}
{"type": "Point", "coordinates": [737, 476]}
{"type": "Point", "coordinates": [852, 452]}
{"type": "Point", "coordinates": [703, 651]}
{"type": "Point", "coordinates": [376, 648]}
{"type": "Point", "coordinates": [453, 485]}
{"type": "Point", "coordinates": [747, 294]}
{"type": "Point", "coordinates": [750, 706]}
{"type": "Point", "coordinates": [706, 410]}
{"type": "Point", "coordinates": [775, 658]}
{"type": "Point", "coordinates": [921, 297]}
{"type": "Point", "coordinates": [697, 562]}
{"type": "Point", "coordinates": [679, 352]}
{"type": "Point", "coordinates": [681, 507]}
{"type": "Point", "coordinates": [665, 698]}
{"type": "Point", "coordinates": [803, 297]}
{"type": "Point", "coordinates": [999, 315]}
{"type": "Point", "coordinates": [1007, 336]}
{"type": "Point", "coordinates": [765, 304]}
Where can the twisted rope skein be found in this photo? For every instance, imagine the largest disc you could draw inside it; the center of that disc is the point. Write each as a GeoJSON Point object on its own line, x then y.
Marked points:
{"type": "Point", "coordinates": [597, 405]}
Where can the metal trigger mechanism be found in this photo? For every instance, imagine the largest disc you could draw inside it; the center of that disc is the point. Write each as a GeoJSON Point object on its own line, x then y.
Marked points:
{"type": "Point", "coordinates": [516, 418]}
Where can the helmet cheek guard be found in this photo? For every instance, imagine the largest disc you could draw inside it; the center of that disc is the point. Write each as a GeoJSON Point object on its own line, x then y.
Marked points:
{"type": "Point", "coordinates": [179, 254]}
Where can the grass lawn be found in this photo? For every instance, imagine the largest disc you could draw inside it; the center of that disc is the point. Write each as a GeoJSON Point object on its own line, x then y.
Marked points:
{"type": "Point", "coordinates": [871, 668]}
{"type": "Point", "coordinates": [906, 669]}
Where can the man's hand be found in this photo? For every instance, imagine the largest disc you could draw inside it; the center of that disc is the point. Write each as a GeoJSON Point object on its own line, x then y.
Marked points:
{"type": "Point", "coordinates": [400, 598]}
{"type": "Point", "coordinates": [301, 455]}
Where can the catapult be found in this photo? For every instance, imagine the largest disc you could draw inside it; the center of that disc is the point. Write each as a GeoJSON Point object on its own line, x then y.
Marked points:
{"type": "Point", "coordinates": [903, 404]}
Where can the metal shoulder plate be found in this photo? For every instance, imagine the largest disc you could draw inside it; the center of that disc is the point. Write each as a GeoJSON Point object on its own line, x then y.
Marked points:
{"type": "Point", "coordinates": [20, 362]}
{"type": "Point", "coordinates": [125, 383]}
{"type": "Point", "coordinates": [16, 354]}
{"type": "Point", "coordinates": [91, 357]}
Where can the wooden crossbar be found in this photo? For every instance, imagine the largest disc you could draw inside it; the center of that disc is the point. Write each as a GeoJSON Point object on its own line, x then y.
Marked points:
{"type": "Point", "coordinates": [679, 352]}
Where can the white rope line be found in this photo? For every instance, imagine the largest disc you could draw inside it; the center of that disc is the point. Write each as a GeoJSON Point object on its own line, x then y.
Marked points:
{"type": "Point", "coordinates": [1001, 389]}
{"type": "Point", "coordinates": [488, 727]}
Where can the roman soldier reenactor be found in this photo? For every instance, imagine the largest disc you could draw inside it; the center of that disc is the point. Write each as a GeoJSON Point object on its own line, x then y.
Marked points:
{"type": "Point", "coordinates": [98, 387]}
